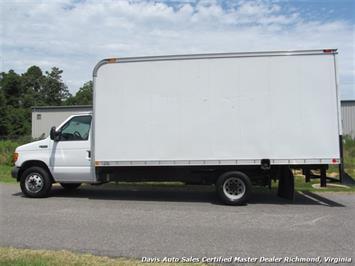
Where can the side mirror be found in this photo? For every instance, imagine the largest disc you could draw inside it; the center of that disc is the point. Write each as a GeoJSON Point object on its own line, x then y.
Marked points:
{"type": "Point", "coordinates": [53, 134]}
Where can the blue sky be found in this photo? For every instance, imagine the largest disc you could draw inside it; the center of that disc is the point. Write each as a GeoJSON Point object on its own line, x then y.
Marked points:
{"type": "Point", "coordinates": [74, 35]}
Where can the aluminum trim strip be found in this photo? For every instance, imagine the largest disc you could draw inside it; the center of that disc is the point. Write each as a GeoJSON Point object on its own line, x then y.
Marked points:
{"type": "Point", "coordinates": [217, 162]}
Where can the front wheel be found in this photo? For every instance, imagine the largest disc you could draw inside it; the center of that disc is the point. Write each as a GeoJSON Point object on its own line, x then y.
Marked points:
{"type": "Point", "coordinates": [70, 186]}
{"type": "Point", "coordinates": [233, 188]}
{"type": "Point", "coordinates": [35, 182]}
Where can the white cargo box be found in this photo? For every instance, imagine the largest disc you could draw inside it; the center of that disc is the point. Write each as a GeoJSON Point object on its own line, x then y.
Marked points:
{"type": "Point", "coordinates": [217, 109]}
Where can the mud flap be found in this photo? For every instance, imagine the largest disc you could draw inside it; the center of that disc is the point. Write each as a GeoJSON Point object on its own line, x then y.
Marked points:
{"type": "Point", "coordinates": [286, 187]}
{"type": "Point", "coordinates": [347, 179]}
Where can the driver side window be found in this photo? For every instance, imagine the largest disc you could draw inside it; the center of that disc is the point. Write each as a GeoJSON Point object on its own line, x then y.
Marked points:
{"type": "Point", "coordinates": [77, 128]}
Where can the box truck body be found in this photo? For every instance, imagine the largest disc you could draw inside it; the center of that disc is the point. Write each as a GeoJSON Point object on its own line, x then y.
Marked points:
{"type": "Point", "coordinates": [229, 109]}
{"type": "Point", "coordinates": [232, 120]}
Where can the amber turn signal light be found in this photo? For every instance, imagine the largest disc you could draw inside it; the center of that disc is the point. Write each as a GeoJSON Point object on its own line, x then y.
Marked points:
{"type": "Point", "coordinates": [14, 157]}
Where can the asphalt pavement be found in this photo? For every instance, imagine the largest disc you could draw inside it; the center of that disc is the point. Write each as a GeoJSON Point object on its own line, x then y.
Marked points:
{"type": "Point", "coordinates": [177, 222]}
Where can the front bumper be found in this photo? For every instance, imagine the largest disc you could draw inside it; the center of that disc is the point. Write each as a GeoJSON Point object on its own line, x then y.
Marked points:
{"type": "Point", "coordinates": [14, 171]}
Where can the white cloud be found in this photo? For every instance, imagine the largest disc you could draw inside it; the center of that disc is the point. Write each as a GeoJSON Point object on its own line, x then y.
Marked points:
{"type": "Point", "coordinates": [74, 35]}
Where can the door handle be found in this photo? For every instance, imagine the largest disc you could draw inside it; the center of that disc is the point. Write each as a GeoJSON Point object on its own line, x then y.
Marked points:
{"type": "Point", "coordinates": [89, 154]}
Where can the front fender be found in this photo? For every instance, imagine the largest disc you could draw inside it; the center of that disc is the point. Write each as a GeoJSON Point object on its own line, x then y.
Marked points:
{"type": "Point", "coordinates": [27, 164]}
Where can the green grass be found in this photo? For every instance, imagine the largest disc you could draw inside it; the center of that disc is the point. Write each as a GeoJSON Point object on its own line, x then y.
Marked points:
{"type": "Point", "coordinates": [301, 185]}
{"type": "Point", "coordinates": [5, 174]}
{"type": "Point", "coordinates": [28, 257]}
{"type": "Point", "coordinates": [7, 148]}
{"type": "Point", "coordinates": [349, 156]}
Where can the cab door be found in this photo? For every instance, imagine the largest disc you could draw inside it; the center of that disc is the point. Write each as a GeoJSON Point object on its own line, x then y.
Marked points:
{"type": "Point", "coordinates": [70, 154]}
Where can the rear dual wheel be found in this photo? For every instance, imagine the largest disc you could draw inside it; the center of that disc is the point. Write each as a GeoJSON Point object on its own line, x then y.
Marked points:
{"type": "Point", "coordinates": [233, 188]}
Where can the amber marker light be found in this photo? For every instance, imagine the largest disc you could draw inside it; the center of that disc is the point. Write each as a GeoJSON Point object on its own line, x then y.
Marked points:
{"type": "Point", "coordinates": [112, 60]}
{"type": "Point", "coordinates": [14, 157]}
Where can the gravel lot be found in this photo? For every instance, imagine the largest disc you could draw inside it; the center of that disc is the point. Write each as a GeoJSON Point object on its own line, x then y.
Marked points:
{"type": "Point", "coordinates": [143, 221]}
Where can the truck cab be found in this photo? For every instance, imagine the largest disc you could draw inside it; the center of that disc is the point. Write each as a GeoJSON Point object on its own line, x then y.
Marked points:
{"type": "Point", "coordinates": [63, 157]}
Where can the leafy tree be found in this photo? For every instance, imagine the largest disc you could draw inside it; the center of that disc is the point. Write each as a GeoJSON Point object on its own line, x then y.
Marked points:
{"type": "Point", "coordinates": [17, 121]}
{"type": "Point", "coordinates": [10, 101]}
{"type": "Point", "coordinates": [10, 84]}
{"type": "Point", "coordinates": [33, 88]}
{"type": "Point", "coordinates": [32, 83]}
{"type": "Point", "coordinates": [2, 113]}
{"type": "Point", "coordinates": [33, 78]}
{"type": "Point", "coordinates": [83, 96]}
{"type": "Point", "coordinates": [54, 91]}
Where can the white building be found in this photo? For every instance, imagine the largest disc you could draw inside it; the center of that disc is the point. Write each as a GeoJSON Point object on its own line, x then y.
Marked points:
{"type": "Point", "coordinates": [44, 117]}
{"type": "Point", "coordinates": [348, 117]}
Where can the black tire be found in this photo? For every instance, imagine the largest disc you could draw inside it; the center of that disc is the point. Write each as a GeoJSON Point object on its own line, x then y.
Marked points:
{"type": "Point", "coordinates": [234, 188]}
{"type": "Point", "coordinates": [70, 186]}
{"type": "Point", "coordinates": [38, 179]}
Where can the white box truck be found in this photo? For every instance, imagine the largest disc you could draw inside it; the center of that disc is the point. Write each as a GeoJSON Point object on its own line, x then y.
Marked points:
{"type": "Point", "coordinates": [232, 120]}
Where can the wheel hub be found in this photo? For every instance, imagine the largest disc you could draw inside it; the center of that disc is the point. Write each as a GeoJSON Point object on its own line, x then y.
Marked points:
{"type": "Point", "coordinates": [234, 188]}
{"type": "Point", "coordinates": [34, 183]}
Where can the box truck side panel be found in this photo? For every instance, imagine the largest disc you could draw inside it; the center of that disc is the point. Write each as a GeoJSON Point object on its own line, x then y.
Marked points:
{"type": "Point", "coordinates": [217, 111]}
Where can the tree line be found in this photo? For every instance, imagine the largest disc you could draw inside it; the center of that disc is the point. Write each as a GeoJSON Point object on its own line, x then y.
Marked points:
{"type": "Point", "coordinates": [18, 92]}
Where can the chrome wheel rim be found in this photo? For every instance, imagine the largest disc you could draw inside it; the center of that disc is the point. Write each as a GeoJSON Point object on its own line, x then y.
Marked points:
{"type": "Point", "coordinates": [34, 183]}
{"type": "Point", "coordinates": [234, 188]}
